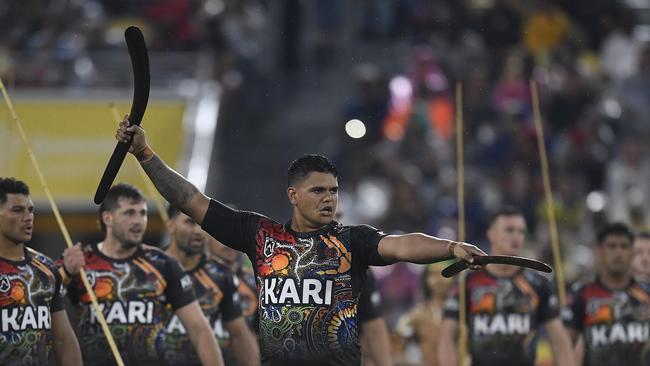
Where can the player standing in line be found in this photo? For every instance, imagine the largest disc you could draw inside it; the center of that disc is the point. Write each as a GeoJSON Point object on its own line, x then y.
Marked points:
{"type": "Point", "coordinates": [217, 292]}
{"type": "Point", "coordinates": [612, 313]}
{"type": "Point", "coordinates": [310, 270]}
{"type": "Point", "coordinates": [641, 262]}
{"type": "Point", "coordinates": [505, 307]}
{"type": "Point", "coordinates": [32, 318]}
{"type": "Point", "coordinates": [133, 283]}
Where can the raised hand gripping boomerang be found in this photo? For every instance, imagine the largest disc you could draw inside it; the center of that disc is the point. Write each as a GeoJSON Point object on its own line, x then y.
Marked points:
{"type": "Point", "coordinates": [459, 266]}
{"type": "Point", "coordinates": [141, 81]}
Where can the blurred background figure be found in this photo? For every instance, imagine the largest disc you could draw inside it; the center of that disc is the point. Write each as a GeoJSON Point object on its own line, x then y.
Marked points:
{"type": "Point", "coordinates": [415, 338]}
{"type": "Point", "coordinates": [641, 262]}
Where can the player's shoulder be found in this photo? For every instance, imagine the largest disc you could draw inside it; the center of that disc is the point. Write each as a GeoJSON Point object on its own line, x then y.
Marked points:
{"type": "Point", "coordinates": [214, 264]}
{"type": "Point", "coordinates": [40, 257]}
{"type": "Point", "coordinates": [586, 285]}
{"type": "Point", "coordinates": [536, 278]}
{"type": "Point", "coordinates": [154, 254]}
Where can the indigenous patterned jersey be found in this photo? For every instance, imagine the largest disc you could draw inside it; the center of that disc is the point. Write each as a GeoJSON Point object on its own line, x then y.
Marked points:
{"type": "Point", "coordinates": [308, 284]}
{"type": "Point", "coordinates": [370, 300]}
{"type": "Point", "coordinates": [216, 291]}
{"type": "Point", "coordinates": [615, 324]}
{"type": "Point", "coordinates": [503, 314]}
{"type": "Point", "coordinates": [248, 295]}
{"type": "Point", "coordinates": [132, 293]}
{"type": "Point", "coordinates": [30, 291]}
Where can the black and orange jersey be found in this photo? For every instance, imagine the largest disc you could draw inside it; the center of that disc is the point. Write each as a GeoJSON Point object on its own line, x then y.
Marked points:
{"type": "Point", "coordinates": [615, 323]}
{"type": "Point", "coordinates": [30, 291]}
{"type": "Point", "coordinates": [308, 284]}
{"type": "Point", "coordinates": [248, 295]}
{"type": "Point", "coordinates": [503, 314]}
{"type": "Point", "coordinates": [217, 292]}
{"type": "Point", "coordinates": [370, 300]}
{"type": "Point", "coordinates": [132, 293]}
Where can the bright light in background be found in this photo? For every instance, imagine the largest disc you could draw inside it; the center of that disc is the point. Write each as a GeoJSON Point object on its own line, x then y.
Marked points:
{"type": "Point", "coordinates": [596, 201]}
{"type": "Point", "coordinates": [355, 128]}
{"type": "Point", "coordinates": [401, 92]}
{"type": "Point", "coordinates": [205, 124]}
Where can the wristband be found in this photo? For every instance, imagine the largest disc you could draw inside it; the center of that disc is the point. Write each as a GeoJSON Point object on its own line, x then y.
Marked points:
{"type": "Point", "coordinates": [67, 273]}
{"type": "Point", "coordinates": [450, 247]}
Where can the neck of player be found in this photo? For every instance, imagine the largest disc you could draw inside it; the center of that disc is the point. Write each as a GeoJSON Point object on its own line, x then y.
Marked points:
{"type": "Point", "coordinates": [188, 261]}
{"type": "Point", "coordinates": [11, 250]}
{"type": "Point", "coordinates": [615, 282]}
{"type": "Point", "coordinates": [113, 248]}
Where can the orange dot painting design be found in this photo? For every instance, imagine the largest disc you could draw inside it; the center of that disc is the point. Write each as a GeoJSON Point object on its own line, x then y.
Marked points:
{"type": "Point", "coordinates": [278, 263]}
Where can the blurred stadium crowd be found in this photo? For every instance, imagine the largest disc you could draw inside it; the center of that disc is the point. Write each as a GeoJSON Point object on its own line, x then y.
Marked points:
{"type": "Point", "coordinates": [590, 59]}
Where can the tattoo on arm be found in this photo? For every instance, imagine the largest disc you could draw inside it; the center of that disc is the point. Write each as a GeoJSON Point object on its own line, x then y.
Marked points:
{"type": "Point", "coordinates": [174, 187]}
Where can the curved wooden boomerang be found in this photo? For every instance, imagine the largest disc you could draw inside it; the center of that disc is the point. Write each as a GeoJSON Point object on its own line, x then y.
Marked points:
{"type": "Point", "coordinates": [459, 266]}
{"type": "Point", "coordinates": [141, 82]}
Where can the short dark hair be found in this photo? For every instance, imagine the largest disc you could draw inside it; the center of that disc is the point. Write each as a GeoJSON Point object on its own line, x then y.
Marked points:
{"type": "Point", "coordinates": [12, 186]}
{"type": "Point", "coordinates": [301, 167]}
{"type": "Point", "coordinates": [172, 211]}
{"type": "Point", "coordinates": [504, 211]}
{"type": "Point", "coordinates": [643, 235]}
{"type": "Point", "coordinates": [617, 228]}
{"type": "Point", "coordinates": [111, 202]}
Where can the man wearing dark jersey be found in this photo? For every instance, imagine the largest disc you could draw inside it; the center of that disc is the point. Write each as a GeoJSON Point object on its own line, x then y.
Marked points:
{"type": "Point", "coordinates": [505, 307]}
{"type": "Point", "coordinates": [32, 319]}
{"type": "Point", "coordinates": [641, 263]}
{"type": "Point", "coordinates": [216, 290]}
{"type": "Point", "coordinates": [612, 313]}
{"type": "Point", "coordinates": [243, 271]}
{"type": "Point", "coordinates": [133, 283]}
{"type": "Point", "coordinates": [310, 270]}
{"type": "Point", "coordinates": [374, 338]}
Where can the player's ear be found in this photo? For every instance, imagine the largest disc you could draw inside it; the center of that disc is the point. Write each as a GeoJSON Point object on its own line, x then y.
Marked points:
{"type": "Point", "coordinates": [292, 195]}
{"type": "Point", "coordinates": [107, 218]}
{"type": "Point", "coordinates": [170, 225]}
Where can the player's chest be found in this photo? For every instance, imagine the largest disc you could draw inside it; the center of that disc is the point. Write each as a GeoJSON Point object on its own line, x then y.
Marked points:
{"type": "Point", "coordinates": [615, 307]}
{"type": "Point", "coordinates": [208, 287]}
{"type": "Point", "coordinates": [136, 279]}
{"type": "Point", "coordinates": [323, 255]}
{"type": "Point", "coordinates": [509, 296]}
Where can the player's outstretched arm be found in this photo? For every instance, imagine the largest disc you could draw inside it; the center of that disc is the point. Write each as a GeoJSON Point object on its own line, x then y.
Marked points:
{"type": "Point", "coordinates": [64, 341]}
{"type": "Point", "coordinates": [448, 343]}
{"type": "Point", "coordinates": [200, 334]}
{"type": "Point", "coordinates": [244, 344]}
{"type": "Point", "coordinates": [177, 190]}
{"type": "Point", "coordinates": [422, 248]}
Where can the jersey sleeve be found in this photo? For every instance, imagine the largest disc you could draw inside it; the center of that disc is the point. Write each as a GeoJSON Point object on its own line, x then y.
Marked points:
{"type": "Point", "coordinates": [365, 243]}
{"type": "Point", "coordinates": [233, 228]}
{"type": "Point", "coordinates": [180, 289]}
{"type": "Point", "coordinates": [231, 305]}
{"type": "Point", "coordinates": [57, 299]}
{"type": "Point", "coordinates": [574, 313]}
{"type": "Point", "coordinates": [370, 300]}
{"type": "Point", "coordinates": [549, 306]}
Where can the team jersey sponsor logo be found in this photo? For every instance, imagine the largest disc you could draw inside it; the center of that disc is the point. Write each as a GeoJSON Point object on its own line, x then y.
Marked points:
{"type": "Point", "coordinates": [25, 318]}
{"type": "Point", "coordinates": [289, 291]}
{"type": "Point", "coordinates": [502, 324]}
{"type": "Point", "coordinates": [129, 312]}
{"type": "Point", "coordinates": [632, 332]}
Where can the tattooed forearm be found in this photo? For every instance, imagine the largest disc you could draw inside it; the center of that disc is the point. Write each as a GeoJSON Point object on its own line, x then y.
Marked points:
{"type": "Point", "coordinates": [171, 185]}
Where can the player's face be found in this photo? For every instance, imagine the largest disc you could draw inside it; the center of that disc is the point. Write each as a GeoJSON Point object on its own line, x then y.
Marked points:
{"type": "Point", "coordinates": [315, 199]}
{"type": "Point", "coordinates": [641, 262]}
{"type": "Point", "coordinates": [187, 234]}
{"type": "Point", "coordinates": [17, 218]}
{"type": "Point", "coordinates": [616, 254]}
{"type": "Point", "coordinates": [507, 235]}
{"type": "Point", "coordinates": [128, 222]}
{"type": "Point", "coordinates": [220, 250]}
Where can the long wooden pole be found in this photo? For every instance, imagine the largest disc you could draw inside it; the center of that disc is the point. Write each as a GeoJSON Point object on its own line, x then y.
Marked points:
{"type": "Point", "coordinates": [550, 206]}
{"type": "Point", "coordinates": [151, 190]}
{"type": "Point", "coordinates": [64, 230]}
{"type": "Point", "coordinates": [460, 171]}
